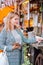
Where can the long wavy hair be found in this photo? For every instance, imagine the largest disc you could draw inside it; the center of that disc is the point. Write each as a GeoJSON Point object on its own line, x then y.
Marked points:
{"type": "Point", "coordinates": [8, 21]}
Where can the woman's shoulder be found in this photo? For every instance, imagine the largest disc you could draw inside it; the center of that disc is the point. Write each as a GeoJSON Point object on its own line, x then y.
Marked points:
{"type": "Point", "coordinates": [3, 32]}
{"type": "Point", "coordinates": [20, 32]}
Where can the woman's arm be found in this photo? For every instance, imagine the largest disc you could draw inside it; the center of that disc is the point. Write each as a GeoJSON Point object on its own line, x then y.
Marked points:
{"type": "Point", "coordinates": [11, 45]}
{"type": "Point", "coordinates": [3, 41]}
{"type": "Point", "coordinates": [27, 40]}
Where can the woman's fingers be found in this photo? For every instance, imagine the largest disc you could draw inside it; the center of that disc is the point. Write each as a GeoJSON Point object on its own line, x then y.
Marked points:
{"type": "Point", "coordinates": [16, 46]}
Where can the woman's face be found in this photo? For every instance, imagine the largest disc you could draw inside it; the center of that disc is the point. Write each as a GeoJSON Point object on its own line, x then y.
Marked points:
{"type": "Point", "coordinates": [15, 20]}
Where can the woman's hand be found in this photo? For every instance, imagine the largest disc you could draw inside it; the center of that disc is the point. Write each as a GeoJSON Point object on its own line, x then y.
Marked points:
{"type": "Point", "coordinates": [39, 39]}
{"type": "Point", "coordinates": [16, 46]}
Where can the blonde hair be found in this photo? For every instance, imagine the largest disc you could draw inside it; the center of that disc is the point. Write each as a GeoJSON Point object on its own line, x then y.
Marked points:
{"type": "Point", "coordinates": [9, 17]}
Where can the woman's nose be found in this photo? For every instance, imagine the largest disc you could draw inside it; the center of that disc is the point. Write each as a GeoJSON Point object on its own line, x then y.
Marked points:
{"type": "Point", "coordinates": [16, 22]}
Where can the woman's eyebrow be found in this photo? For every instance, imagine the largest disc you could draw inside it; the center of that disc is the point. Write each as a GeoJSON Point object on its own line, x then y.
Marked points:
{"type": "Point", "coordinates": [16, 18]}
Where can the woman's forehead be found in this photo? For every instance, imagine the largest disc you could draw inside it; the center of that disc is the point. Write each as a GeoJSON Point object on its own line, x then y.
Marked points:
{"type": "Point", "coordinates": [16, 16]}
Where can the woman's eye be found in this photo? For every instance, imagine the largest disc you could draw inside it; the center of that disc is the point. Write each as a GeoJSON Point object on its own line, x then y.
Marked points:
{"type": "Point", "coordinates": [16, 19]}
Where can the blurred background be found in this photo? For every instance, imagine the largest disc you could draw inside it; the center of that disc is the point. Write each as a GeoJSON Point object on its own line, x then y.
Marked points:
{"type": "Point", "coordinates": [31, 18]}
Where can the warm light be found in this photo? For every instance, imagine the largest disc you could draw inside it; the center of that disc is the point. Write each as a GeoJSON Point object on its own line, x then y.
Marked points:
{"type": "Point", "coordinates": [25, 23]}
{"type": "Point", "coordinates": [5, 11]}
{"type": "Point", "coordinates": [31, 22]}
{"type": "Point", "coordinates": [15, 5]}
{"type": "Point", "coordinates": [25, 2]}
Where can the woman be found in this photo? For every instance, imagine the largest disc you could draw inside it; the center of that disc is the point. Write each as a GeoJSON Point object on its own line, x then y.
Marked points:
{"type": "Point", "coordinates": [3, 37]}
{"type": "Point", "coordinates": [15, 38]}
